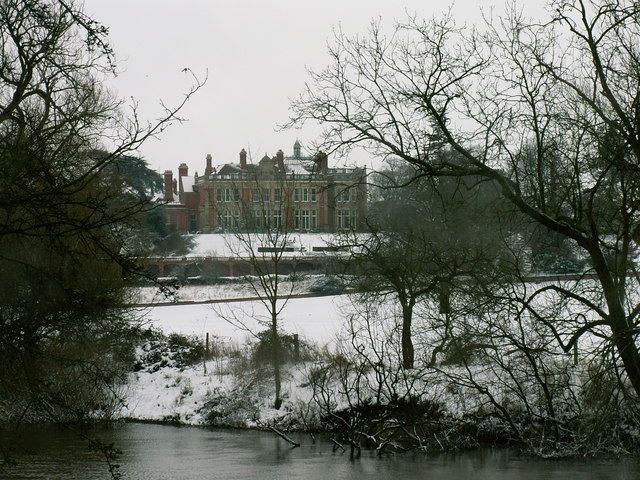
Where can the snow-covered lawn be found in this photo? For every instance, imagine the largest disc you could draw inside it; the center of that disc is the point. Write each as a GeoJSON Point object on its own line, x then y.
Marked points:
{"type": "Point", "coordinates": [314, 319]}
{"type": "Point", "coordinates": [228, 245]}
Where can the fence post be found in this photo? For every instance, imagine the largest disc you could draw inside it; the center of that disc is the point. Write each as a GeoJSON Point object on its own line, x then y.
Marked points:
{"type": "Point", "coordinates": [296, 347]}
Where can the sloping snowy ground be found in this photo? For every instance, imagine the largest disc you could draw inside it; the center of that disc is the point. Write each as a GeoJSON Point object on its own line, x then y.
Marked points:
{"type": "Point", "coordinates": [172, 392]}
{"type": "Point", "coordinates": [178, 393]}
{"type": "Point", "coordinates": [185, 394]}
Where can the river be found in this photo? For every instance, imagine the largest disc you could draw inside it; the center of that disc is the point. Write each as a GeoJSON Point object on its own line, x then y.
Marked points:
{"type": "Point", "coordinates": [160, 452]}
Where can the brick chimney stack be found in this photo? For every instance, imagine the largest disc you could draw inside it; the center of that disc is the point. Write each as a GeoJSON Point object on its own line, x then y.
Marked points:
{"type": "Point", "coordinates": [243, 159]}
{"type": "Point", "coordinates": [280, 159]}
{"type": "Point", "coordinates": [183, 171]}
{"type": "Point", "coordinates": [168, 186]}
{"type": "Point", "coordinates": [322, 162]}
{"type": "Point", "coordinates": [209, 169]}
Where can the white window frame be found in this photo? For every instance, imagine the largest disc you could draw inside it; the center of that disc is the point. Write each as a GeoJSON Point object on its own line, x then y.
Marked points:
{"type": "Point", "coordinates": [314, 219]}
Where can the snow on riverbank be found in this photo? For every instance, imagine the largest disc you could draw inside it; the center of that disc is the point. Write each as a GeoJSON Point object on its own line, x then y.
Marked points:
{"type": "Point", "coordinates": [172, 392]}
{"type": "Point", "coordinates": [185, 395]}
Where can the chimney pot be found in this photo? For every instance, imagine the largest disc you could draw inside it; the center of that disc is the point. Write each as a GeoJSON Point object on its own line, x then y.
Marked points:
{"type": "Point", "coordinates": [168, 186]}
{"type": "Point", "coordinates": [280, 159]}
{"type": "Point", "coordinates": [209, 169]}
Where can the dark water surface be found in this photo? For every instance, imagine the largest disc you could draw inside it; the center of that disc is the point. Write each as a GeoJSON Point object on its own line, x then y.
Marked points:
{"type": "Point", "coordinates": [158, 452]}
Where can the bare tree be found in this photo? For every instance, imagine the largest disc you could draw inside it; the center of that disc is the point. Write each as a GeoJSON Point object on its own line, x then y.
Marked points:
{"type": "Point", "coordinates": [67, 209]}
{"type": "Point", "coordinates": [263, 238]}
{"type": "Point", "coordinates": [423, 237]}
{"type": "Point", "coordinates": [563, 93]}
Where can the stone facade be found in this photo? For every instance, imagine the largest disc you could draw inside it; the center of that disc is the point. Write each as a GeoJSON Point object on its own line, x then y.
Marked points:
{"type": "Point", "coordinates": [297, 192]}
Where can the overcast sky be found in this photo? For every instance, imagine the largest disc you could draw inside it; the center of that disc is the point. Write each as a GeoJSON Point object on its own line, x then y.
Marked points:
{"type": "Point", "coordinates": [256, 54]}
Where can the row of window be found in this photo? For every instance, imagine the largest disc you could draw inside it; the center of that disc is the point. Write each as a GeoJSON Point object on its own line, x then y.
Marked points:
{"type": "Point", "coordinates": [264, 195]}
{"type": "Point", "coordinates": [227, 195]}
{"type": "Point", "coordinates": [304, 194]}
{"type": "Point", "coordinates": [306, 219]}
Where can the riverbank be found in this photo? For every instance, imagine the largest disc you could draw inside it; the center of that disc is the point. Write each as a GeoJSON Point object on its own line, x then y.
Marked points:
{"type": "Point", "coordinates": [172, 384]}
{"type": "Point", "coordinates": [360, 404]}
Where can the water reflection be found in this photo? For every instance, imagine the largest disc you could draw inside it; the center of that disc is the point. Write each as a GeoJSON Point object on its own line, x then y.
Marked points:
{"type": "Point", "coordinates": [155, 452]}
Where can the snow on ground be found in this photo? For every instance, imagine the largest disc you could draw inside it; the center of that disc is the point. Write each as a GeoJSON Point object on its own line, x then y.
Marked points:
{"type": "Point", "coordinates": [228, 245]}
{"type": "Point", "coordinates": [315, 319]}
{"type": "Point", "coordinates": [170, 393]}
{"type": "Point", "coordinates": [178, 393]}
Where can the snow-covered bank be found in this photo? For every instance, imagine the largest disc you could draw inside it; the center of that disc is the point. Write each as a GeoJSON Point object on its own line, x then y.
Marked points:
{"type": "Point", "coordinates": [471, 391]}
{"type": "Point", "coordinates": [166, 389]}
{"type": "Point", "coordinates": [185, 395]}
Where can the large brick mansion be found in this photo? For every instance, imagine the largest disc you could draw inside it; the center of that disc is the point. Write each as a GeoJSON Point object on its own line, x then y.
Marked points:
{"type": "Point", "coordinates": [295, 192]}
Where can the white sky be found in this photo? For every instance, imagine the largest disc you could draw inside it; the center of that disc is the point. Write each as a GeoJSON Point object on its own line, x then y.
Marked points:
{"type": "Point", "coordinates": [256, 53]}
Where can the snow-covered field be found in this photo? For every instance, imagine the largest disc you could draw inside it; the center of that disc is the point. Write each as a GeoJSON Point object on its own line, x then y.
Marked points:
{"type": "Point", "coordinates": [228, 245]}
{"type": "Point", "coordinates": [315, 319]}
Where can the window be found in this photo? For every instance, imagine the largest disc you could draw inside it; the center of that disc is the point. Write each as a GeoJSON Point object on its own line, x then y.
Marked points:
{"type": "Point", "coordinates": [313, 195]}
{"type": "Point", "coordinates": [255, 195]}
{"type": "Point", "coordinates": [296, 195]}
{"type": "Point", "coordinates": [227, 218]}
{"type": "Point", "coordinates": [277, 194]}
{"type": "Point", "coordinates": [304, 220]}
{"type": "Point", "coordinates": [219, 195]}
{"type": "Point", "coordinates": [343, 195]}
{"type": "Point", "coordinates": [265, 195]}
{"type": "Point", "coordinates": [228, 195]}
{"type": "Point", "coordinates": [305, 194]}
{"type": "Point", "coordinates": [314, 219]}
{"type": "Point", "coordinates": [297, 220]}
{"type": "Point", "coordinates": [277, 219]}
{"type": "Point", "coordinates": [344, 219]}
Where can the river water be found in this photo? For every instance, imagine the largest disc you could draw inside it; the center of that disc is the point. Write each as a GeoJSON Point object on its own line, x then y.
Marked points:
{"type": "Point", "coordinates": [159, 452]}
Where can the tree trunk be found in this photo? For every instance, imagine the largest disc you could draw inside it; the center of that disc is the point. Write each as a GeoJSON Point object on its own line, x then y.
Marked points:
{"type": "Point", "coordinates": [623, 336]}
{"type": "Point", "coordinates": [407, 344]}
{"type": "Point", "coordinates": [275, 358]}
{"type": "Point", "coordinates": [625, 343]}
